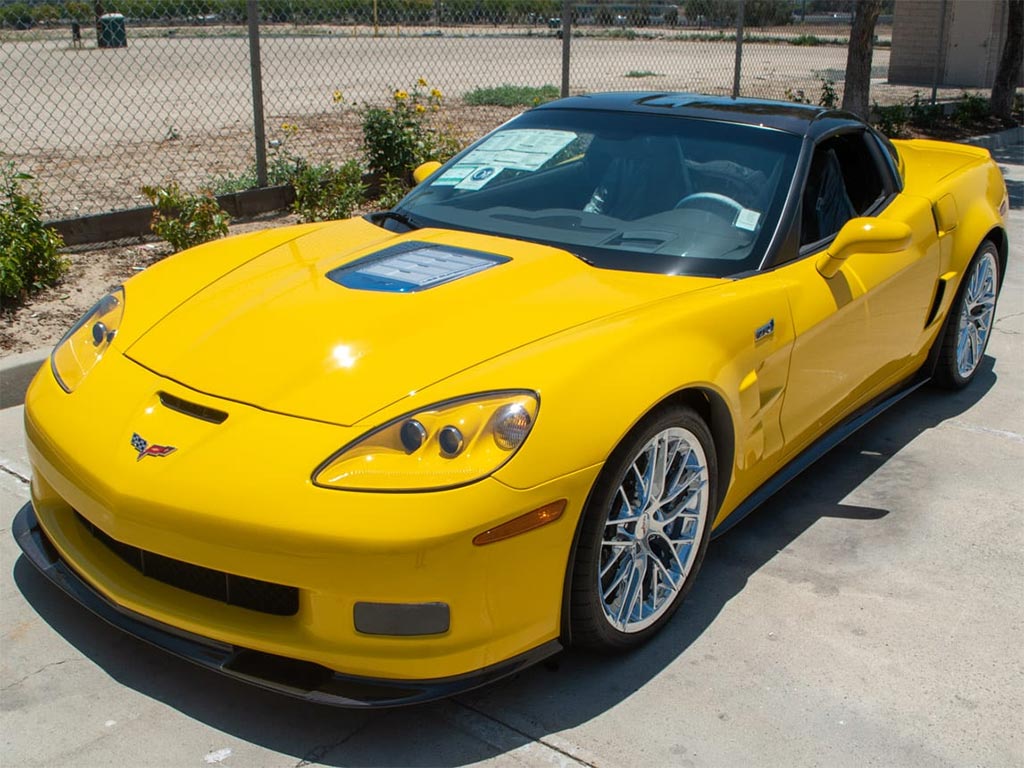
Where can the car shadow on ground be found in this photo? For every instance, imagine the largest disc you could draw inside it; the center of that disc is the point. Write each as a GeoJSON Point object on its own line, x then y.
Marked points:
{"type": "Point", "coordinates": [559, 695]}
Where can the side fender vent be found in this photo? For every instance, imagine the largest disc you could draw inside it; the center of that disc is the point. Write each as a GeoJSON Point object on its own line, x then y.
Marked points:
{"type": "Point", "coordinates": [940, 294]}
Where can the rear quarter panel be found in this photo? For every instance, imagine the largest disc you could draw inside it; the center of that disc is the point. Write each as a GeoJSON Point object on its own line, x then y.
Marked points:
{"type": "Point", "coordinates": [972, 181]}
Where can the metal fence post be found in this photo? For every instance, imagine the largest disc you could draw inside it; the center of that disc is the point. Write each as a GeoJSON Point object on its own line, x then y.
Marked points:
{"type": "Point", "coordinates": [939, 47]}
{"type": "Point", "coordinates": [256, 71]}
{"type": "Point", "coordinates": [739, 50]}
{"type": "Point", "coordinates": [566, 36]}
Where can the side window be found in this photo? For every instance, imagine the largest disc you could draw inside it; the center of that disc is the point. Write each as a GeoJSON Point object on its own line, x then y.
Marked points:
{"type": "Point", "coordinates": [844, 182]}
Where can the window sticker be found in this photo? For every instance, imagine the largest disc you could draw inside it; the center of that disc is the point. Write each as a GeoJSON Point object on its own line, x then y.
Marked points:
{"type": "Point", "coordinates": [519, 150]}
{"type": "Point", "coordinates": [454, 175]}
{"type": "Point", "coordinates": [480, 177]}
{"type": "Point", "coordinates": [747, 219]}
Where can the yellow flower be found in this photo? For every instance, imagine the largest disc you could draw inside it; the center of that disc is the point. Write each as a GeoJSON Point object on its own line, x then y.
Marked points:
{"type": "Point", "coordinates": [435, 108]}
{"type": "Point", "coordinates": [435, 93]}
{"type": "Point", "coordinates": [422, 83]}
{"type": "Point", "coordinates": [338, 97]}
{"type": "Point", "coordinates": [420, 109]}
{"type": "Point", "coordinates": [401, 95]}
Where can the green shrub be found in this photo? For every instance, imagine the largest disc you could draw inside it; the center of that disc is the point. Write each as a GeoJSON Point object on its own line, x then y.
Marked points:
{"type": "Point", "coordinates": [393, 140]}
{"type": "Point", "coordinates": [78, 11]}
{"type": "Point", "coordinates": [281, 169]}
{"type": "Point", "coordinates": [185, 220]}
{"type": "Point", "coordinates": [970, 109]}
{"type": "Point", "coordinates": [392, 190]}
{"type": "Point", "coordinates": [511, 96]}
{"type": "Point", "coordinates": [970, 112]}
{"type": "Point", "coordinates": [326, 192]}
{"type": "Point", "coordinates": [398, 138]}
{"type": "Point", "coordinates": [641, 73]}
{"type": "Point", "coordinates": [16, 15]}
{"type": "Point", "coordinates": [46, 14]}
{"type": "Point", "coordinates": [922, 115]}
{"type": "Point", "coordinates": [892, 121]}
{"type": "Point", "coordinates": [767, 13]}
{"type": "Point", "coordinates": [828, 98]}
{"type": "Point", "coordinates": [28, 250]}
{"type": "Point", "coordinates": [805, 40]}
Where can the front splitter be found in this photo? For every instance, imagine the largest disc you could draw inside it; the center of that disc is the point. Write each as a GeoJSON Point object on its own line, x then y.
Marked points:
{"type": "Point", "coordinates": [301, 679]}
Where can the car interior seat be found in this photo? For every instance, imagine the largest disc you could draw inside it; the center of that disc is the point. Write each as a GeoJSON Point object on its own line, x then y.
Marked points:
{"type": "Point", "coordinates": [826, 205]}
{"type": "Point", "coordinates": [636, 177]}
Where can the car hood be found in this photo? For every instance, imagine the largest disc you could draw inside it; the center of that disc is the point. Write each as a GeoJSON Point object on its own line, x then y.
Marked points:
{"type": "Point", "coordinates": [295, 332]}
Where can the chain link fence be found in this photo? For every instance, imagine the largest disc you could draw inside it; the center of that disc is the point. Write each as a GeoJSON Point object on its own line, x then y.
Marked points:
{"type": "Point", "coordinates": [99, 99]}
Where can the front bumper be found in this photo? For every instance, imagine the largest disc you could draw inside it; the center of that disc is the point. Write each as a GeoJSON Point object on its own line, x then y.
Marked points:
{"type": "Point", "coordinates": [235, 498]}
{"type": "Point", "coordinates": [304, 680]}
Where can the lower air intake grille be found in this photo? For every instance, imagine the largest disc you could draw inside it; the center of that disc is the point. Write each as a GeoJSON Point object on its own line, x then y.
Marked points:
{"type": "Point", "coordinates": [262, 596]}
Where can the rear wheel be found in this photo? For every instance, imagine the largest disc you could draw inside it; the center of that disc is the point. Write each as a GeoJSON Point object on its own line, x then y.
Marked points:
{"type": "Point", "coordinates": [645, 530]}
{"type": "Point", "coordinates": [970, 319]}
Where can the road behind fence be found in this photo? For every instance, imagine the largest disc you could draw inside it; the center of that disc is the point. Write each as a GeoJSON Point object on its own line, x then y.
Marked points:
{"type": "Point", "coordinates": [167, 93]}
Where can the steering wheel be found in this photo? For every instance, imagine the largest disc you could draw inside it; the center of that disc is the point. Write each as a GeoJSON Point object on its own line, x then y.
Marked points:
{"type": "Point", "coordinates": [713, 197]}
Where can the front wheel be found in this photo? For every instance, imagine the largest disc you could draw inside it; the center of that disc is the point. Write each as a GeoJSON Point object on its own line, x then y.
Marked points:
{"type": "Point", "coordinates": [645, 531]}
{"type": "Point", "coordinates": [970, 319]}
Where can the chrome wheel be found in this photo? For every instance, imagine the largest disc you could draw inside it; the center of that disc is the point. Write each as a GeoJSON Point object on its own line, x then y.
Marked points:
{"type": "Point", "coordinates": [653, 530]}
{"type": "Point", "coordinates": [976, 312]}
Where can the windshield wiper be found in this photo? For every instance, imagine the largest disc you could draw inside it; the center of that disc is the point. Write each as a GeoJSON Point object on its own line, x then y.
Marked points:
{"type": "Point", "coordinates": [379, 217]}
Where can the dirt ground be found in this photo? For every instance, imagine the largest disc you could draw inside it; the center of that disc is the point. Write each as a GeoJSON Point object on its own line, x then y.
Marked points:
{"type": "Point", "coordinates": [95, 125]}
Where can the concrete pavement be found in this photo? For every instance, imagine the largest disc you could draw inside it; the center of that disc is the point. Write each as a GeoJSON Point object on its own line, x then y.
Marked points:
{"type": "Point", "coordinates": [871, 614]}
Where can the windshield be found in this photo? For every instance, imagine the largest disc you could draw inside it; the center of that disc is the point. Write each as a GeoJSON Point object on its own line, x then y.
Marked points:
{"type": "Point", "coordinates": [640, 192]}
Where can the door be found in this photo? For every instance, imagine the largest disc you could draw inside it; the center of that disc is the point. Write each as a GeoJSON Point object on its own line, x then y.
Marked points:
{"type": "Point", "coordinates": [860, 331]}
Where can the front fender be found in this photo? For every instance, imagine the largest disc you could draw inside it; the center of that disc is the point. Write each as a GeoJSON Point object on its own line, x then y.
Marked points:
{"type": "Point", "coordinates": [597, 381]}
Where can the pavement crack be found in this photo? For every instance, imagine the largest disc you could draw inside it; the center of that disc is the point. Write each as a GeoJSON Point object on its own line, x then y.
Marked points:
{"type": "Point", "coordinates": [316, 755]}
{"type": "Point", "coordinates": [1003, 318]}
{"type": "Point", "coordinates": [572, 759]}
{"type": "Point", "coordinates": [14, 474]}
{"type": "Point", "coordinates": [36, 672]}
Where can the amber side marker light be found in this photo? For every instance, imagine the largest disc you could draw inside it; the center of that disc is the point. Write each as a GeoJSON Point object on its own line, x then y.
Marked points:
{"type": "Point", "coordinates": [535, 519]}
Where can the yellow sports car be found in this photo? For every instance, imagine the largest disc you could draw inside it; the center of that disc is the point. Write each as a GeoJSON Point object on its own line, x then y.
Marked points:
{"type": "Point", "coordinates": [383, 460]}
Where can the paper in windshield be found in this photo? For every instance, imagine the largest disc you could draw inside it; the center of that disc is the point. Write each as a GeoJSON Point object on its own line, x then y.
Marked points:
{"type": "Point", "coordinates": [517, 150]}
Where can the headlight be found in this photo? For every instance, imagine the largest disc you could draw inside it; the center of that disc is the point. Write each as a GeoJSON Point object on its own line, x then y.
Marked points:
{"type": "Point", "coordinates": [441, 446]}
{"type": "Point", "coordinates": [87, 341]}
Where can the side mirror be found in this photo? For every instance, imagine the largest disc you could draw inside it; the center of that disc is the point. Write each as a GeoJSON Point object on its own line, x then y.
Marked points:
{"type": "Point", "coordinates": [863, 235]}
{"type": "Point", "coordinates": [423, 171]}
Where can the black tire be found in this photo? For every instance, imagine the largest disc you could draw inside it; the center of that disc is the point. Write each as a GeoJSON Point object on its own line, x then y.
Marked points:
{"type": "Point", "coordinates": [953, 371]}
{"type": "Point", "coordinates": [674, 427]}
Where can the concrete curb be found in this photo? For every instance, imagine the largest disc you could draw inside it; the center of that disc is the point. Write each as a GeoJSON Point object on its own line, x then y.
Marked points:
{"type": "Point", "coordinates": [16, 372]}
{"type": "Point", "coordinates": [1000, 140]}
